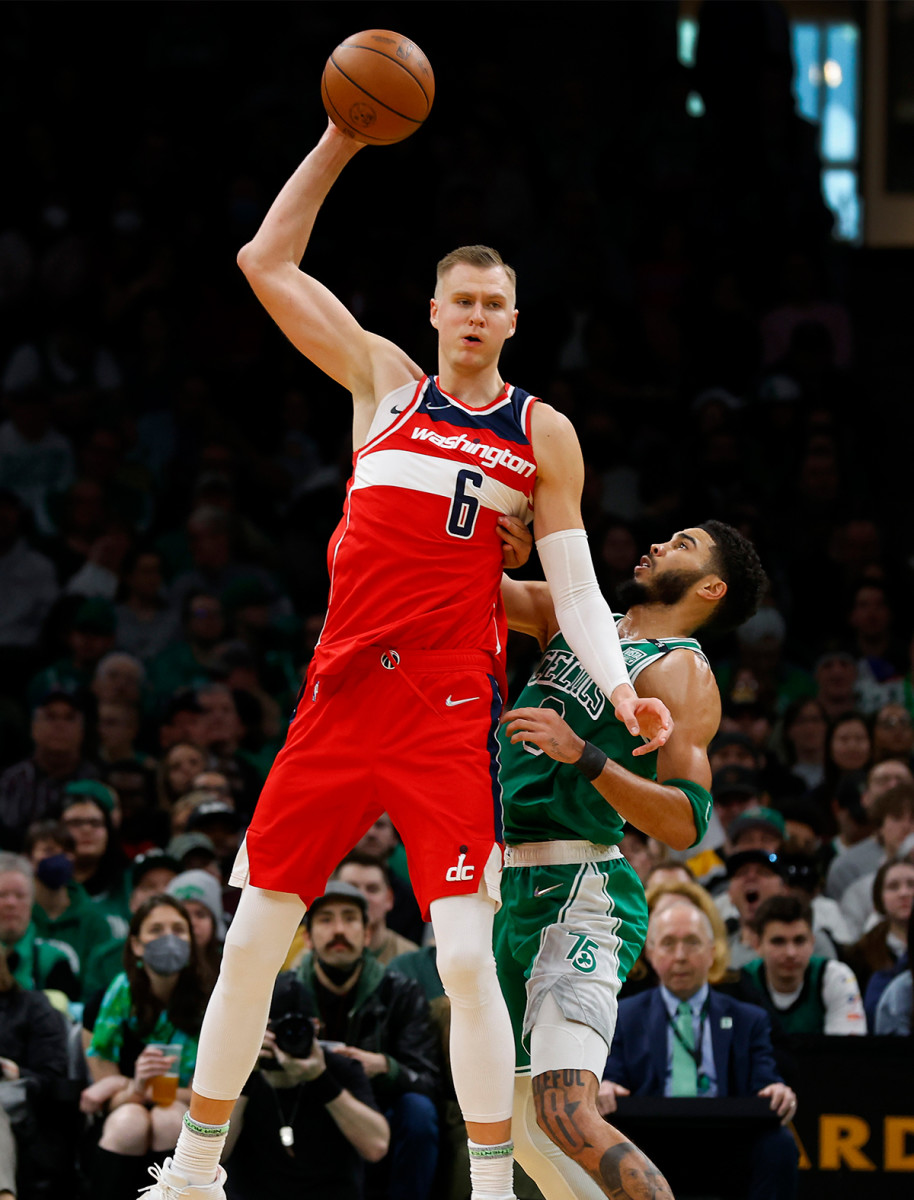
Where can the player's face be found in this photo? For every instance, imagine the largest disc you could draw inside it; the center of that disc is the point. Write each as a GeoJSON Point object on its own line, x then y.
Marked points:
{"type": "Point", "coordinates": [666, 574]}
{"type": "Point", "coordinates": [786, 947]}
{"type": "Point", "coordinates": [473, 311]}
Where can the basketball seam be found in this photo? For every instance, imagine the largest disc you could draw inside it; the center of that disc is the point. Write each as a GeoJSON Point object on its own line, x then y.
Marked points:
{"type": "Point", "coordinates": [363, 134]}
{"type": "Point", "coordinates": [362, 88]}
{"type": "Point", "coordinates": [383, 54]}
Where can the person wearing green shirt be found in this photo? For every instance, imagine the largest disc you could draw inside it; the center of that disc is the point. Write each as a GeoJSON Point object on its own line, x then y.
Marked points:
{"type": "Point", "coordinates": [573, 916]}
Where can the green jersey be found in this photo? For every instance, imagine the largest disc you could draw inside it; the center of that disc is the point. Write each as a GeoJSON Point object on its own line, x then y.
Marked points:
{"type": "Point", "coordinates": [543, 799]}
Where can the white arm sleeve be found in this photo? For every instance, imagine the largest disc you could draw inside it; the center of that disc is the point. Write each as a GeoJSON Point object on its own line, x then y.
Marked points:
{"type": "Point", "coordinates": [582, 612]}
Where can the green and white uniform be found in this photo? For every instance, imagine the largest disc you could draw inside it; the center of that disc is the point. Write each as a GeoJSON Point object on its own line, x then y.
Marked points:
{"type": "Point", "coordinates": [573, 916]}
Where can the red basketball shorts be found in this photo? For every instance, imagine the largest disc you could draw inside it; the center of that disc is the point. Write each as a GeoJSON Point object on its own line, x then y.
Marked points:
{"type": "Point", "coordinates": [410, 733]}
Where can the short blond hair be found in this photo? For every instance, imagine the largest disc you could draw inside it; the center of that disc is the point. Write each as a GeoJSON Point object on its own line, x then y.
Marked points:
{"type": "Point", "coordinates": [700, 898]}
{"type": "Point", "coordinates": [475, 256]}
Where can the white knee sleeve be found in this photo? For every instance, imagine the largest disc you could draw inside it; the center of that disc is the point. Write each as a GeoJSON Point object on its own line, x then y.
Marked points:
{"type": "Point", "coordinates": [556, 1175]}
{"type": "Point", "coordinates": [557, 1044]}
{"type": "Point", "coordinates": [236, 1016]}
{"type": "Point", "coordinates": [482, 1044]}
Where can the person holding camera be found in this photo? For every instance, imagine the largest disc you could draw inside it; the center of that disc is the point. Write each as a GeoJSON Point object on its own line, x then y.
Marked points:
{"type": "Point", "coordinates": [307, 1118]}
{"type": "Point", "coordinates": [381, 1020]}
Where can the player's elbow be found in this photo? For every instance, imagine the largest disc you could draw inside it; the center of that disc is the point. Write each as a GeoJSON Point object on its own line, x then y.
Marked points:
{"type": "Point", "coordinates": [249, 261]}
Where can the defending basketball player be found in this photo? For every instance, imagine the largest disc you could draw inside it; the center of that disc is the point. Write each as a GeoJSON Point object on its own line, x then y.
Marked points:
{"type": "Point", "coordinates": [574, 916]}
{"type": "Point", "coordinates": [401, 704]}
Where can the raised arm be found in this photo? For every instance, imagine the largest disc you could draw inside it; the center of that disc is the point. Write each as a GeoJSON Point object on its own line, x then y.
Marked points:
{"type": "Point", "coordinates": [310, 316]}
{"type": "Point", "coordinates": [580, 609]}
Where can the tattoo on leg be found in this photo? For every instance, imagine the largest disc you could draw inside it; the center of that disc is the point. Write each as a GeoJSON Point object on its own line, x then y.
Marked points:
{"type": "Point", "coordinates": [557, 1111]}
{"type": "Point", "coordinates": [627, 1174]}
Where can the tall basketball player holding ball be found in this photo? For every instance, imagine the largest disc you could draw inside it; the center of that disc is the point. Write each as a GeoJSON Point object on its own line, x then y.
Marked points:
{"type": "Point", "coordinates": [406, 686]}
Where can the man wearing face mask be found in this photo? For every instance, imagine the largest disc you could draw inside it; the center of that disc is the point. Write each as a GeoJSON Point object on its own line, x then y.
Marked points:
{"type": "Point", "coordinates": [62, 911]}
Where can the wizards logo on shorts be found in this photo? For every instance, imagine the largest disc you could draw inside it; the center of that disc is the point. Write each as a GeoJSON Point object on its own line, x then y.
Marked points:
{"type": "Point", "coordinates": [460, 873]}
{"type": "Point", "coordinates": [582, 954]}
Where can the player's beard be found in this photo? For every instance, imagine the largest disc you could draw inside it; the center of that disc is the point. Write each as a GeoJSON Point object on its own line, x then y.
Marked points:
{"type": "Point", "coordinates": [665, 589]}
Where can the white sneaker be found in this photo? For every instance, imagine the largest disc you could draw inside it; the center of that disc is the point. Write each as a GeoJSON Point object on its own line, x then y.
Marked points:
{"type": "Point", "coordinates": [171, 1186]}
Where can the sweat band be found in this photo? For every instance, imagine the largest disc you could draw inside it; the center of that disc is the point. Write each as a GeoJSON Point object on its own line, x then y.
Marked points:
{"type": "Point", "coordinates": [700, 800]}
{"type": "Point", "coordinates": [591, 762]}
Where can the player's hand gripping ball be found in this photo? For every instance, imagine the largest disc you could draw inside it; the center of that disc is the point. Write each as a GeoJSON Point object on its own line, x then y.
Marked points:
{"type": "Point", "coordinates": [378, 87]}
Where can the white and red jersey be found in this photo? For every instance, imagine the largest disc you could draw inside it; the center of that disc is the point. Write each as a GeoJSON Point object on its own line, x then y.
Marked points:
{"type": "Point", "coordinates": [415, 561]}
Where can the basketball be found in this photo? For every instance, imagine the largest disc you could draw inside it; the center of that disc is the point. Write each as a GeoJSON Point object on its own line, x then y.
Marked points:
{"type": "Point", "coordinates": [378, 87]}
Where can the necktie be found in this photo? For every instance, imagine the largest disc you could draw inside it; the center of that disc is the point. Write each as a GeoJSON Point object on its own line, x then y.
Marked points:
{"type": "Point", "coordinates": [684, 1081]}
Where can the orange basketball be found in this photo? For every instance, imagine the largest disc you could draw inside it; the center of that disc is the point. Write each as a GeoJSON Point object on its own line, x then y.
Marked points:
{"type": "Point", "coordinates": [378, 87]}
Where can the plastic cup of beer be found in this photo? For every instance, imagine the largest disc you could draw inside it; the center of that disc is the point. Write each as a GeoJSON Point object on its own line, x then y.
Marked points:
{"type": "Point", "coordinates": [165, 1086]}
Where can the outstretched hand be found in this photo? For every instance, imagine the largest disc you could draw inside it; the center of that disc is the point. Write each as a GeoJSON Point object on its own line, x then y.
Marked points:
{"type": "Point", "coordinates": [517, 539]}
{"type": "Point", "coordinates": [643, 715]}
{"type": "Point", "coordinates": [546, 729]}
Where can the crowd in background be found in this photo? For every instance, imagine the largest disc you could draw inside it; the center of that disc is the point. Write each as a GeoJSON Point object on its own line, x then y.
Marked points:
{"type": "Point", "coordinates": [170, 473]}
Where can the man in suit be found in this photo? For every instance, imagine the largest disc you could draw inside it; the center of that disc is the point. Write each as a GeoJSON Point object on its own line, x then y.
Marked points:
{"type": "Point", "coordinates": [683, 1039]}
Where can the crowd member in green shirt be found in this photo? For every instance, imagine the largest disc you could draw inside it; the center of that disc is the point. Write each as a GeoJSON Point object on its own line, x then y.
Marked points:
{"type": "Point", "coordinates": [35, 962]}
{"type": "Point", "coordinates": [62, 911]}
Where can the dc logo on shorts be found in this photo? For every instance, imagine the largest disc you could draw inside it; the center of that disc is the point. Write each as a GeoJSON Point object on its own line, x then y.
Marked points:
{"type": "Point", "coordinates": [582, 954]}
{"type": "Point", "coordinates": [460, 873]}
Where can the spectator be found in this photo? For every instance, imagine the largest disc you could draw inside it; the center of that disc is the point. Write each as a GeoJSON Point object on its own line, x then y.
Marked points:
{"type": "Point", "coordinates": [223, 735]}
{"type": "Point", "coordinates": [893, 815]}
{"type": "Point", "coordinates": [34, 962]}
{"type": "Point", "coordinates": [835, 674]}
{"type": "Point", "coordinates": [195, 852]}
{"type": "Point", "coordinates": [33, 788]}
{"type": "Point", "coordinates": [99, 864]}
{"type": "Point", "coordinates": [804, 879]}
{"type": "Point", "coordinates": [382, 1019]}
{"type": "Point", "coordinates": [307, 1118]}
{"type": "Point", "coordinates": [866, 854]}
{"type": "Point", "coordinates": [893, 734]}
{"type": "Point", "coordinates": [35, 458]}
{"type": "Point", "coordinates": [150, 875]}
{"type": "Point", "coordinates": [870, 619]}
{"type": "Point", "coordinates": [802, 992]}
{"type": "Point", "coordinates": [895, 1006]}
{"type": "Point", "coordinates": [372, 878]}
{"type": "Point", "coordinates": [880, 948]}
{"type": "Point", "coordinates": [680, 1014]}
{"type": "Point", "coordinates": [159, 998]}
{"type": "Point", "coordinates": [62, 911]}
{"type": "Point", "coordinates": [804, 728]}
{"type": "Point", "coordinates": [754, 876]}
{"type": "Point", "coordinates": [221, 824]}
{"type": "Point", "coordinates": [146, 624]}
{"type": "Point", "coordinates": [119, 678]}
{"type": "Point", "coordinates": [381, 840]}
{"type": "Point", "coordinates": [89, 637]}
{"type": "Point", "coordinates": [201, 896]}
{"type": "Point", "coordinates": [33, 1048]}
{"type": "Point", "coordinates": [117, 728]}
{"type": "Point", "coordinates": [848, 751]}
{"type": "Point", "coordinates": [189, 661]}
{"type": "Point", "coordinates": [182, 720]}
{"type": "Point", "coordinates": [177, 769]}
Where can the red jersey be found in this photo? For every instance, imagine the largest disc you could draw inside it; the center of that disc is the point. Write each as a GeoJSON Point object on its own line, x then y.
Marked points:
{"type": "Point", "coordinates": [415, 561]}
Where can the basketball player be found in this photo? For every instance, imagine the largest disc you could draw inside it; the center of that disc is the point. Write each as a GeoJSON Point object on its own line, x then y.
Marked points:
{"type": "Point", "coordinates": [574, 916]}
{"type": "Point", "coordinates": [402, 700]}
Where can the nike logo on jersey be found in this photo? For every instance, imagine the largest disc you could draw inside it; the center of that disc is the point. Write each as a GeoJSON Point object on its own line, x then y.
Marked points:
{"type": "Point", "coordinates": [396, 411]}
{"type": "Point", "coordinates": [453, 703]}
{"type": "Point", "coordinates": [543, 891]}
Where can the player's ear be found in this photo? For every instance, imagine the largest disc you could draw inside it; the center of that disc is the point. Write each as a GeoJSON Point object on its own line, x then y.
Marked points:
{"type": "Point", "coordinates": [513, 324]}
{"type": "Point", "coordinates": [713, 588]}
{"type": "Point", "coordinates": [433, 312]}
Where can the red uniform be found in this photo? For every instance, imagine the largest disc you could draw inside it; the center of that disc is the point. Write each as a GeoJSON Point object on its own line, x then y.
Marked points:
{"type": "Point", "coordinates": [403, 696]}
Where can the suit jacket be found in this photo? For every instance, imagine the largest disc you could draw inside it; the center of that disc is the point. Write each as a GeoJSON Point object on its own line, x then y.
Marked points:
{"type": "Point", "coordinates": [740, 1042]}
